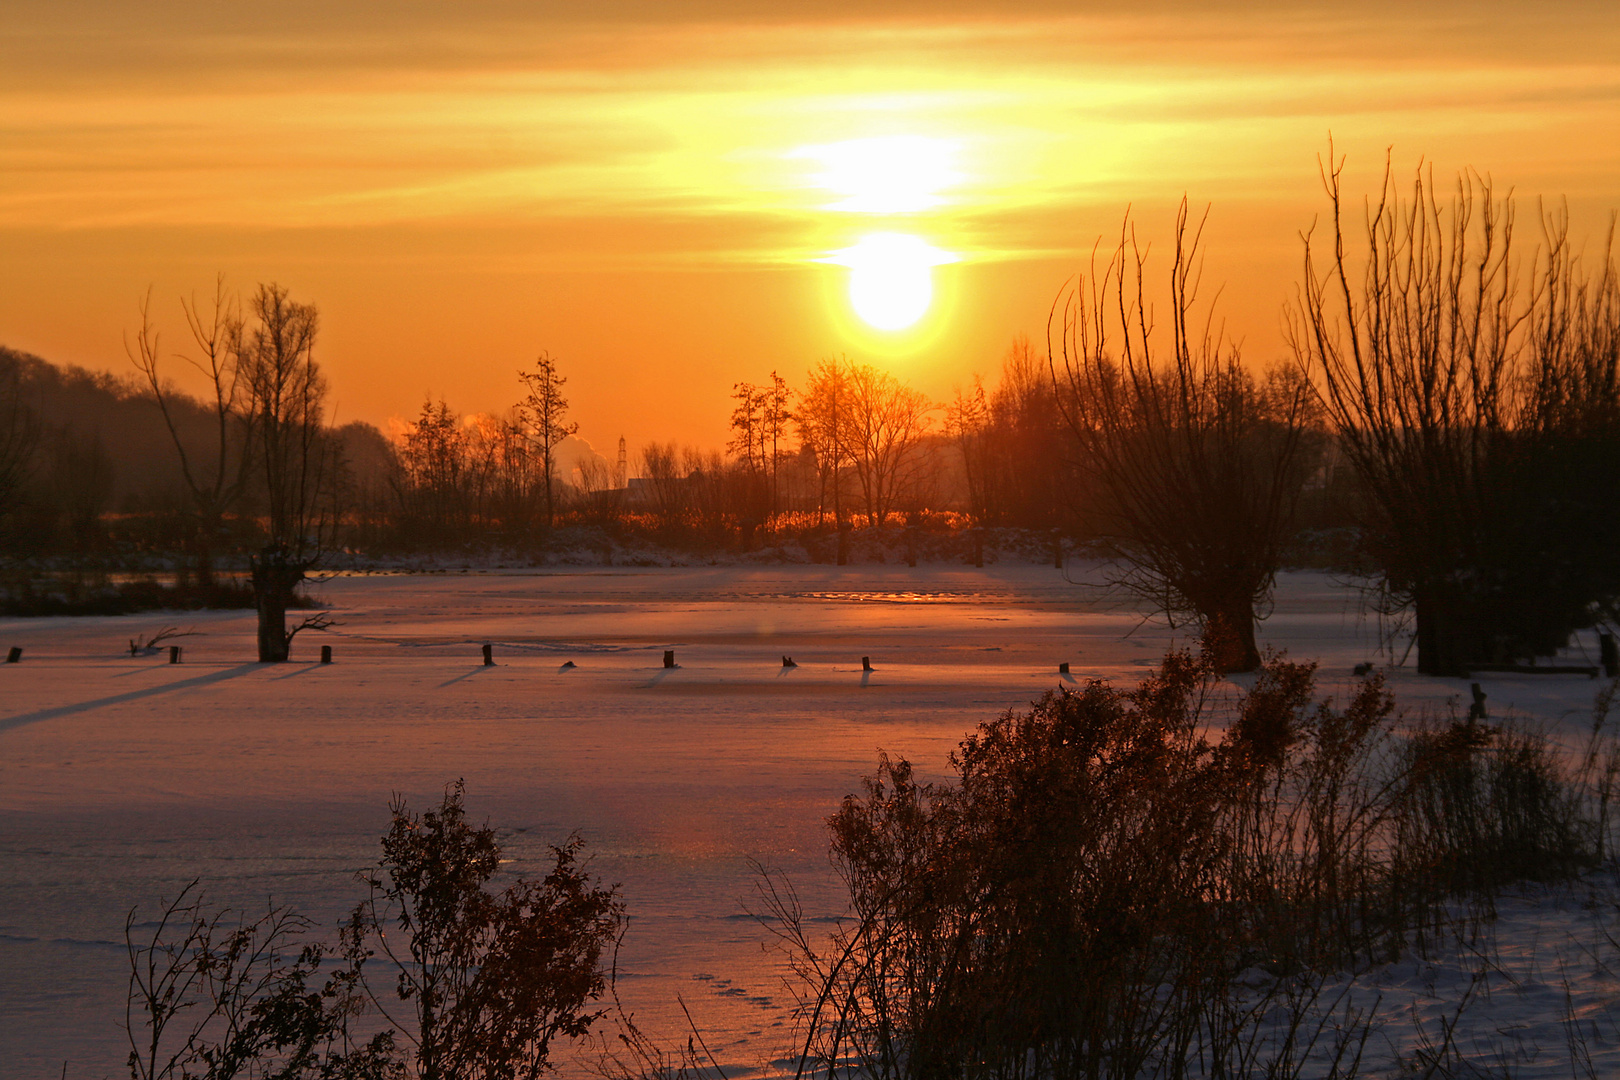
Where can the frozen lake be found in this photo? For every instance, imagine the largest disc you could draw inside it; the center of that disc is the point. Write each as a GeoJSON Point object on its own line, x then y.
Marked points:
{"type": "Point", "coordinates": [123, 778]}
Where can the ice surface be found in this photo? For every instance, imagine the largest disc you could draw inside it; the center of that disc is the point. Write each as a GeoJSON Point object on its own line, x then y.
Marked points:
{"type": "Point", "coordinates": [123, 778]}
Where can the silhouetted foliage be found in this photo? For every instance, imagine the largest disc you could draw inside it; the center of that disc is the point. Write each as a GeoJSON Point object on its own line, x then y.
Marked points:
{"type": "Point", "coordinates": [1481, 412]}
{"type": "Point", "coordinates": [19, 436]}
{"type": "Point", "coordinates": [216, 479]}
{"type": "Point", "coordinates": [1078, 899]}
{"type": "Point", "coordinates": [1194, 465]}
{"type": "Point", "coordinates": [489, 980]}
{"type": "Point", "coordinates": [216, 995]}
{"type": "Point", "coordinates": [543, 410]}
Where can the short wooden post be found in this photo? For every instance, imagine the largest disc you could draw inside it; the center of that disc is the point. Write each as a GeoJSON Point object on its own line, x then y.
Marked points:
{"type": "Point", "coordinates": [1609, 655]}
{"type": "Point", "coordinates": [669, 658]}
{"type": "Point", "coordinates": [1476, 711]}
{"type": "Point", "coordinates": [326, 654]}
{"type": "Point", "coordinates": [14, 655]}
{"type": "Point", "coordinates": [489, 655]}
{"type": "Point", "coordinates": [1063, 668]}
{"type": "Point", "coordinates": [866, 663]}
{"type": "Point", "coordinates": [174, 654]}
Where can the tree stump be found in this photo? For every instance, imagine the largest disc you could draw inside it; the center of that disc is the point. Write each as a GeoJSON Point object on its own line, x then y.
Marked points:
{"type": "Point", "coordinates": [669, 658]}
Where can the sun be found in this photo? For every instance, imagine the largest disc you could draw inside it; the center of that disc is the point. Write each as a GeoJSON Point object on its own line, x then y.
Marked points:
{"type": "Point", "coordinates": [891, 278]}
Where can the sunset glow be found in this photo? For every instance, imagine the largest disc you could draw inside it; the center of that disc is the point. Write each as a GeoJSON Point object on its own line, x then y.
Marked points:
{"type": "Point", "coordinates": [920, 506]}
{"type": "Point", "coordinates": [898, 174]}
{"type": "Point", "coordinates": [653, 188]}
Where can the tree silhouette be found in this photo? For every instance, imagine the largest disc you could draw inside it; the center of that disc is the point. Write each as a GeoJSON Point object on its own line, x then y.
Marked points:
{"type": "Point", "coordinates": [1482, 416]}
{"type": "Point", "coordinates": [294, 456]}
{"type": "Point", "coordinates": [491, 978]}
{"type": "Point", "coordinates": [1198, 467]}
{"type": "Point", "coordinates": [544, 409]}
{"type": "Point", "coordinates": [215, 487]}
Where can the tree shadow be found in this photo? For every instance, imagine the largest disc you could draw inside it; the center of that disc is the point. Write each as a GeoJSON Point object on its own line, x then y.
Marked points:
{"type": "Point", "coordinates": [481, 668]}
{"type": "Point", "coordinates": [302, 668]}
{"type": "Point", "coordinates": [22, 719]}
{"type": "Point", "coordinates": [659, 676]}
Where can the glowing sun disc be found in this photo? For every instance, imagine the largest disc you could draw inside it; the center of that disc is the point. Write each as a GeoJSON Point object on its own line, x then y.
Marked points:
{"type": "Point", "coordinates": [891, 278]}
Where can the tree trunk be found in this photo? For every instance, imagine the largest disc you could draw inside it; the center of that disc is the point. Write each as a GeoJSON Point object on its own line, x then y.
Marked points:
{"type": "Point", "coordinates": [203, 568]}
{"type": "Point", "coordinates": [1450, 640]}
{"type": "Point", "coordinates": [275, 576]}
{"type": "Point", "coordinates": [1229, 637]}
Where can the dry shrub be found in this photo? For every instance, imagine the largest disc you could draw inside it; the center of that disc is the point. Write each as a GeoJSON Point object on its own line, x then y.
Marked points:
{"type": "Point", "coordinates": [1078, 900]}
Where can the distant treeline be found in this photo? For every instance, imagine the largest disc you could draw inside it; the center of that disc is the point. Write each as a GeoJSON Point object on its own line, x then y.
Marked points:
{"type": "Point", "coordinates": [90, 470]}
{"type": "Point", "coordinates": [1448, 422]}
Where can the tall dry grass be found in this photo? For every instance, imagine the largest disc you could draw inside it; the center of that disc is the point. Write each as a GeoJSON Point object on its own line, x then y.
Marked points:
{"type": "Point", "coordinates": [1085, 895]}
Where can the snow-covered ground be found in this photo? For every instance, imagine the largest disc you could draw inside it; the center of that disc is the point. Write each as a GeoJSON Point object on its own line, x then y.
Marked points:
{"type": "Point", "coordinates": [122, 778]}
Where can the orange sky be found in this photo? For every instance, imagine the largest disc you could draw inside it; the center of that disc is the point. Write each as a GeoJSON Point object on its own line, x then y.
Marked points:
{"type": "Point", "coordinates": [648, 192]}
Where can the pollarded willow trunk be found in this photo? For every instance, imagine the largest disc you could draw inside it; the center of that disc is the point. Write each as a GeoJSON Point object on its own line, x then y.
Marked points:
{"type": "Point", "coordinates": [1229, 636]}
{"type": "Point", "coordinates": [275, 576]}
{"type": "Point", "coordinates": [1452, 637]}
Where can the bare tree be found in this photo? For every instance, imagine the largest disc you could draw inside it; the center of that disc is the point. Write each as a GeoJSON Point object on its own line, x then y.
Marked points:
{"type": "Point", "coordinates": [823, 429]}
{"type": "Point", "coordinates": [19, 434]}
{"type": "Point", "coordinates": [433, 451]}
{"type": "Point", "coordinates": [1025, 477]}
{"type": "Point", "coordinates": [544, 408]}
{"type": "Point", "coordinates": [1479, 413]}
{"type": "Point", "coordinates": [747, 427]}
{"type": "Point", "coordinates": [1198, 466]}
{"type": "Point", "coordinates": [750, 446]}
{"type": "Point", "coordinates": [293, 456]}
{"type": "Point", "coordinates": [215, 482]}
{"type": "Point", "coordinates": [774, 416]}
{"type": "Point", "coordinates": [967, 422]}
{"type": "Point", "coordinates": [885, 423]}
{"type": "Point", "coordinates": [667, 487]}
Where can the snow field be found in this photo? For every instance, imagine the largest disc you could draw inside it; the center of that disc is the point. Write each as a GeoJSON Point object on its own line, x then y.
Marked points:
{"type": "Point", "coordinates": [123, 778]}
